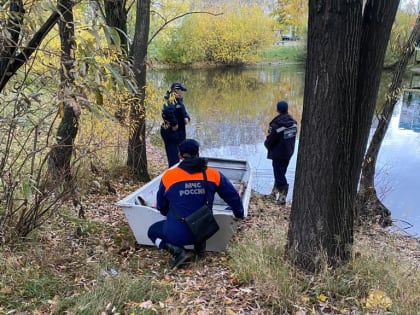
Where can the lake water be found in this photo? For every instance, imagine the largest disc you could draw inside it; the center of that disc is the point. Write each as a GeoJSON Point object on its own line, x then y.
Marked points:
{"type": "Point", "coordinates": [398, 167]}
{"type": "Point", "coordinates": [230, 111]}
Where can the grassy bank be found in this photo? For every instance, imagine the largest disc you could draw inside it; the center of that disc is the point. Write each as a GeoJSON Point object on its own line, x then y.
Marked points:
{"type": "Point", "coordinates": [293, 52]}
{"type": "Point", "coordinates": [382, 277]}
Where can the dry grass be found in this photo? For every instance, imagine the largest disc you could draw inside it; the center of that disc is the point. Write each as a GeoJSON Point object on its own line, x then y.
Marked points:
{"type": "Point", "coordinates": [387, 263]}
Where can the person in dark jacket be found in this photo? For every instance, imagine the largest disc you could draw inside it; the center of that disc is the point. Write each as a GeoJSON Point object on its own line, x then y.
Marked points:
{"type": "Point", "coordinates": [175, 118]}
{"type": "Point", "coordinates": [182, 188]}
{"type": "Point", "coordinates": [280, 144]}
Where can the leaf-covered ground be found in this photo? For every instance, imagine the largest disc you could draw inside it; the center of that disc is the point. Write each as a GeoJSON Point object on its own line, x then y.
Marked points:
{"type": "Point", "coordinates": [201, 287]}
{"type": "Point", "coordinates": [211, 286]}
{"type": "Point", "coordinates": [71, 249]}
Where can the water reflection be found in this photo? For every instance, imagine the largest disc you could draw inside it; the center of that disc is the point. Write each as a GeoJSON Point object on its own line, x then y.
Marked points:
{"type": "Point", "coordinates": [410, 111]}
{"type": "Point", "coordinates": [398, 165]}
{"type": "Point", "coordinates": [231, 110]}
{"type": "Point", "coordinates": [235, 105]}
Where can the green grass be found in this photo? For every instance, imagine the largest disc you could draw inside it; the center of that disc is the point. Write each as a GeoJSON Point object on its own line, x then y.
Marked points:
{"type": "Point", "coordinates": [282, 53]}
{"type": "Point", "coordinates": [120, 292]}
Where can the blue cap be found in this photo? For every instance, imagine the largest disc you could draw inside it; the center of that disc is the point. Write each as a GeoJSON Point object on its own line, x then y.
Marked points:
{"type": "Point", "coordinates": [189, 146]}
{"type": "Point", "coordinates": [178, 86]}
{"type": "Point", "coordinates": [282, 106]}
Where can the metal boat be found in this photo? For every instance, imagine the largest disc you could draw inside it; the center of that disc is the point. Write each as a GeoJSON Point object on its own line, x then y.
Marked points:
{"type": "Point", "coordinates": [140, 212]}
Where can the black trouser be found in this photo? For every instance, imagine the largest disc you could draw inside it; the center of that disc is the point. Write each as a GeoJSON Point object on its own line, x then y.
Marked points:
{"type": "Point", "coordinates": [279, 170]}
{"type": "Point", "coordinates": [171, 140]}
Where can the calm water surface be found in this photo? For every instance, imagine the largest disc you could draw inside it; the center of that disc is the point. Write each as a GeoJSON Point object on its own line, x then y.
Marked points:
{"type": "Point", "coordinates": [230, 111]}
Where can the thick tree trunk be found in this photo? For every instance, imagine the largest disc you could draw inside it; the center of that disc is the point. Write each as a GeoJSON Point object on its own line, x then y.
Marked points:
{"type": "Point", "coordinates": [136, 157]}
{"type": "Point", "coordinates": [320, 223]}
{"type": "Point", "coordinates": [368, 205]}
{"type": "Point", "coordinates": [321, 226]}
{"type": "Point", "coordinates": [60, 157]}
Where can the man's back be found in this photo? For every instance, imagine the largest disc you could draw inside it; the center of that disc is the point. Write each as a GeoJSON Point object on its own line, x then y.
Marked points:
{"type": "Point", "coordinates": [182, 191]}
{"type": "Point", "coordinates": [183, 188]}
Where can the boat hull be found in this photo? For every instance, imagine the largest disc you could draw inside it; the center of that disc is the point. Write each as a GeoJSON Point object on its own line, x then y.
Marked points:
{"type": "Point", "coordinates": [140, 212]}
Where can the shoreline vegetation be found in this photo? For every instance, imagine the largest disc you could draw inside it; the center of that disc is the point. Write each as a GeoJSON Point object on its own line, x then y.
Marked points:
{"type": "Point", "coordinates": [93, 266]}
{"type": "Point", "coordinates": [285, 53]}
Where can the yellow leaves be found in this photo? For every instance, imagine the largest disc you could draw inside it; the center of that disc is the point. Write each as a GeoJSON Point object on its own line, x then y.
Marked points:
{"type": "Point", "coordinates": [322, 297]}
{"type": "Point", "coordinates": [292, 13]}
{"type": "Point", "coordinates": [231, 37]}
{"type": "Point", "coordinates": [230, 312]}
{"type": "Point", "coordinates": [228, 301]}
{"type": "Point", "coordinates": [378, 299]}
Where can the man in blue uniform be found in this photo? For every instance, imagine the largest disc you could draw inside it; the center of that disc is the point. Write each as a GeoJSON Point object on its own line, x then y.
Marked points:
{"type": "Point", "coordinates": [182, 188]}
{"type": "Point", "coordinates": [280, 144]}
{"type": "Point", "coordinates": [175, 117]}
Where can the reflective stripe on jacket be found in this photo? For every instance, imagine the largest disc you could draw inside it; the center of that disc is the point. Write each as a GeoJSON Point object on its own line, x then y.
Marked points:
{"type": "Point", "coordinates": [281, 138]}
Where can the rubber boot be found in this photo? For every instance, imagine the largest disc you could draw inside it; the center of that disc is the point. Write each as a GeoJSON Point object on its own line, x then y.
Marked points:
{"type": "Point", "coordinates": [273, 194]}
{"type": "Point", "coordinates": [179, 253]}
{"type": "Point", "coordinates": [200, 250]}
{"type": "Point", "coordinates": [283, 190]}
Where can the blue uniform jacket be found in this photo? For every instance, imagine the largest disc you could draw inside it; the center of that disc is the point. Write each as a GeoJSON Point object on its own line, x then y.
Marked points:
{"type": "Point", "coordinates": [174, 113]}
{"type": "Point", "coordinates": [182, 188]}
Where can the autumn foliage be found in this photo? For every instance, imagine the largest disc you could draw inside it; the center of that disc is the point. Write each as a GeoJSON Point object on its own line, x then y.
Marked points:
{"type": "Point", "coordinates": [231, 34]}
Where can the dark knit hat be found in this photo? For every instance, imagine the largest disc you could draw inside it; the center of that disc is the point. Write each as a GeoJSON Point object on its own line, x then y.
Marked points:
{"type": "Point", "coordinates": [189, 146]}
{"type": "Point", "coordinates": [282, 106]}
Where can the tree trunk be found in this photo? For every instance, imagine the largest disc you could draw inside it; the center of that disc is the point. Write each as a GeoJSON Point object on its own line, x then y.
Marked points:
{"type": "Point", "coordinates": [116, 16]}
{"type": "Point", "coordinates": [378, 19]}
{"type": "Point", "coordinates": [321, 223]}
{"type": "Point", "coordinates": [10, 44]}
{"type": "Point", "coordinates": [12, 56]}
{"type": "Point", "coordinates": [136, 157]}
{"type": "Point", "coordinates": [368, 206]}
{"type": "Point", "coordinates": [60, 157]}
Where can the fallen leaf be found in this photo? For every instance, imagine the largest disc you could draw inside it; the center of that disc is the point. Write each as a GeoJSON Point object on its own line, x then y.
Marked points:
{"type": "Point", "coordinates": [228, 301]}
{"type": "Point", "coordinates": [246, 290]}
{"type": "Point", "coordinates": [378, 298]}
{"type": "Point", "coordinates": [322, 297]}
{"type": "Point", "coordinates": [6, 290]}
{"type": "Point", "coordinates": [146, 304]}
